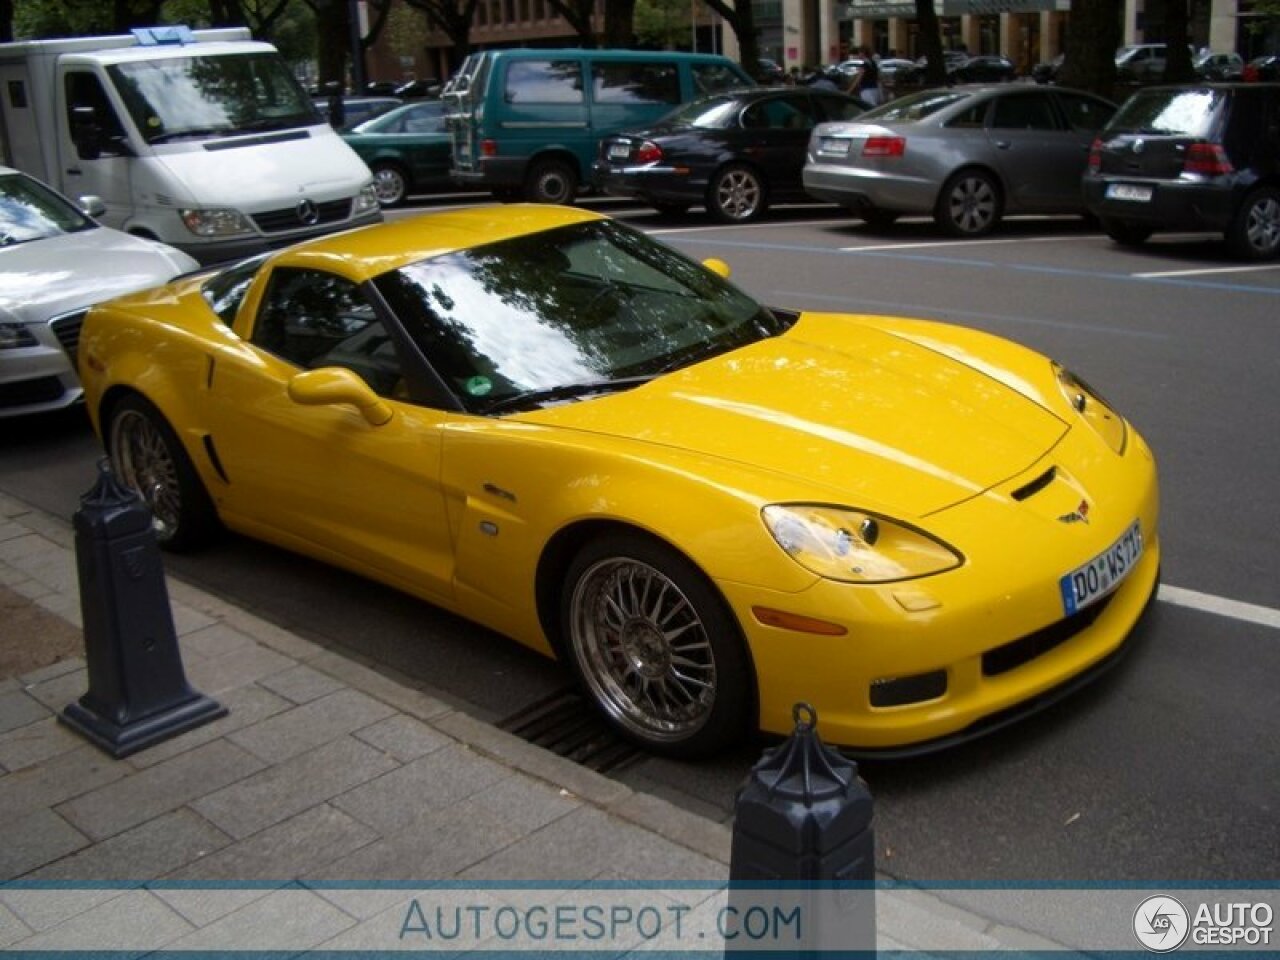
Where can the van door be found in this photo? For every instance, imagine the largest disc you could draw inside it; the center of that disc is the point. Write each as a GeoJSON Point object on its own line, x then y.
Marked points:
{"type": "Point", "coordinates": [544, 107]}
{"type": "Point", "coordinates": [93, 148]}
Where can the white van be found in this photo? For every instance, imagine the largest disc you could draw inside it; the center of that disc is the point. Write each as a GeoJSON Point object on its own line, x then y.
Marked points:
{"type": "Point", "coordinates": [202, 139]}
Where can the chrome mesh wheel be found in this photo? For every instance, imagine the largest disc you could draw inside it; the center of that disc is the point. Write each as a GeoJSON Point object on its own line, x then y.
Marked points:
{"type": "Point", "coordinates": [142, 459]}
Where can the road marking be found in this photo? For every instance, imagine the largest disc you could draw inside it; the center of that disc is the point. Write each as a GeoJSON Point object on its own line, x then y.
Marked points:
{"type": "Point", "coordinates": [1205, 270]}
{"type": "Point", "coordinates": [963, 243]}
{"type": "Point", "coordinates": [1221, 606]}
{"type": "Point", "coordinates": [844, 221]}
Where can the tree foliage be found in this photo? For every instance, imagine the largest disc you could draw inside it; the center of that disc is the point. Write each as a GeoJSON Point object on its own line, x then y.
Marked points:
{"type": "Point", "coordinates": [662, 23]}
{"type": "Point", "coordinates": [741, 20]}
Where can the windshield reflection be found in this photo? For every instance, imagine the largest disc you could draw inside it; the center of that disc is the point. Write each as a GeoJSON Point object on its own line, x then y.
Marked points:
{"type": "Point", "coordinates": [588, 304]}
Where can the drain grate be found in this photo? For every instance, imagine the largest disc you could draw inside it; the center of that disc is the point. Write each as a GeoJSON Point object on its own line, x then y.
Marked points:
{"type": "Point", "coordinates": [566, 724]}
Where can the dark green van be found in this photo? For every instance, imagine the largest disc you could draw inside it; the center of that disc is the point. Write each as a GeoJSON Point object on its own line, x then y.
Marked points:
{"type": "Point", "coordinates": [525, 123]}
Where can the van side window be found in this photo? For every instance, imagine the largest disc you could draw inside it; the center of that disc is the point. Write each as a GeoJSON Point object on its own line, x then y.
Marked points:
{"type": "Point", "coordinates": [85, 90]}
{"type": "Point", "coordinates": [635, 83]}
{"type": "Point", "coordinates": [714, 77]}
{"type": "Point", "coordinates": [544, 81]}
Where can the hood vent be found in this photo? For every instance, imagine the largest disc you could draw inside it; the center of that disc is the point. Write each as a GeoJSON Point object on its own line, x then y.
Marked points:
{"type": "Point", "coordinates": [1029, 490]}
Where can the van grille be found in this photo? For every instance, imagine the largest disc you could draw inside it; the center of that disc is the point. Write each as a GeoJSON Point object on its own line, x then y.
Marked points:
{"type": "Point", "coordinates": [290, 218]}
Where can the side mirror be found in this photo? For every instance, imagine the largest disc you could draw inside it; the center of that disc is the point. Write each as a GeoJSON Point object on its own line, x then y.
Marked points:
{"type": "Point", "coordinates": [333, 385]}
{"type": "Point", "coordinates": [92, 206]}
{"type": "Point", "coordinates": [718, 267]}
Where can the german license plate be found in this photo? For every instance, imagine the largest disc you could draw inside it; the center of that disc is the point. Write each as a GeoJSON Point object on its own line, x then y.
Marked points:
{"type": "Point", "coordinates": [834, 146]}
{"type": "Point", "coordinates": [1092, 581]}
{"type": "Point", "coordinates": [1136, 192]}
{"type": "Point", "coordinates": [619, 151]}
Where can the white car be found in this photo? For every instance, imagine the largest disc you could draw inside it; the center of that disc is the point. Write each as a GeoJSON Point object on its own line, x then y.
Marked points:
{"type": "Point", "coordinates": [56, 262]}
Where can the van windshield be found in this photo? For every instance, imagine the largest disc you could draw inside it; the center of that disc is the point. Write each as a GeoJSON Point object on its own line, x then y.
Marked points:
{"type": "Point", "coordinates": [211, 95]}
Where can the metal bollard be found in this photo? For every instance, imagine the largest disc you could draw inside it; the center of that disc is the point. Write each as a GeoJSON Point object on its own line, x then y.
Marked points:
{"type": "Point", "coordinates": [138, 693]}
{"type": "Point", "coordinates": [802, 838]}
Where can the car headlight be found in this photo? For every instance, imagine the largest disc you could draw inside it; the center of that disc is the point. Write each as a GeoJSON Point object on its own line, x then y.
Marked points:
{"type": "Point", "coordinates": [15, 335]}
{"type": "Point", "coordinates": [853, 546]}
{"type": "Point", "coordinates": [1095, 411]}
{"type": "Point", "coordinates": [216, 222]}
{"type": "Point", "coordinates": [366, 199]}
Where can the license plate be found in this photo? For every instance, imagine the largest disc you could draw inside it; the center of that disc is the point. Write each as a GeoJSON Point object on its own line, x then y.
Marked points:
{"type": "Point", "coordinates": [619, 151]}
{"type": "Point", "coordinates": [1094, 580]}
{"type": "Point", "coordinates": [834, 146]}
{"type": "Point", "coordinates": [1129, 191]}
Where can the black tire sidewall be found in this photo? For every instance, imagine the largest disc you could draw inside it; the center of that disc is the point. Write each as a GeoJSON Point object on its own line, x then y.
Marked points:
{"type": "Point", "coordinates": [544, 170]}
{"type": "Point", "coordinates": [1237, 233]}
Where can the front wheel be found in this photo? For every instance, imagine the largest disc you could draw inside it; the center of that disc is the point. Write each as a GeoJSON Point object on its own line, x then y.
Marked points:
{"type": "Point", "coordinates": [391, 184]}
{"type": "Point", "coordinates": [1254, 233]}
{"type": "Point", "coordinates": [551, 181]}
{"type": "Point", "coordinates": [148, 457]}
{"type": "Point", "coordinates": [969, 205]}
{"type": "Point", "coordinates": [737, 194]}
{"type": "Point", "coordinates": [655, 646]}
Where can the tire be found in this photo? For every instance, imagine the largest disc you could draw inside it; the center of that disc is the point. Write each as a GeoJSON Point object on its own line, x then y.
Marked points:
{"type": "Point", "coordinates": [1254, 233]}
{"type": "Point", "coordinates": [877, 218]}
{"type": "Point", "coordinates": [148, 457]}
{"type": "Point", "coordinates": [969, 204]}
{"type": "Point", "coordinates": [1125, 232]}
{"type": "Point", "coordinates": [631, 608]}
{"type": "Point", "coordinates": [551, 181]}
{"type": "Point", "coordinates": [391, 184]}
{"type": "Point", "coordinates": [737, 194]}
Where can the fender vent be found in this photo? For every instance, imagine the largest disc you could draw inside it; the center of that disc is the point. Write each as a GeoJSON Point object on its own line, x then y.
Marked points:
{"type": "Point", "coordinates": [568, 725]}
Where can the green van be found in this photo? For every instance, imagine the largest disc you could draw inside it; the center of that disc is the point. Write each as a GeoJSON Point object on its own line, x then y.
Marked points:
{"type": "Point", "coordinates": [526, 123]}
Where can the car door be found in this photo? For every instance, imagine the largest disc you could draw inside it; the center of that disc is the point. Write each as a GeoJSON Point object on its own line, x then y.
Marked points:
{"type": "Point", "coordinates": [1040, 160]}
{"type": "Point", "coordinates": [775, 133]}
{"type": "Point", "coordinates": [323, 478]}
{"type": "Point", "coordinates": [425, 143]}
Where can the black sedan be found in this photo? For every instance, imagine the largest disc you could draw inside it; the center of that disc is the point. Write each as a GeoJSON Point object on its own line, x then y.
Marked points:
{"type": "Point", "coordinates": [983, 69]}
{"type": "Point", "coordinates": [733, 152]}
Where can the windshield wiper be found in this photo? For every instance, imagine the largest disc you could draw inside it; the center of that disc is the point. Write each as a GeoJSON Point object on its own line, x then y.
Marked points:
{"type": "Point", "coordinates": [565, 391]}
{"type": "Point", "coordinates": [192, 133]}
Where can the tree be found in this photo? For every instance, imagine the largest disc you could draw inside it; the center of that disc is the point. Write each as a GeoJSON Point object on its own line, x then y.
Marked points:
{"type": "Point", "coordinates": [578, 14]}
{"type": "Point", "coordinates": [1090, 59]}
{"type": "Point", "coordinates": [662, 23]}
{"type": "Point", "coordinates": [1177, 63]}
{"type": "Point", "coordinates": [935, 71]}
{"type": "Point", "coordinates": [619, 22]}
{"type": "Point", "coordinates": [741, 20]}
{"type": "Point", "coordinates": [453, 18]}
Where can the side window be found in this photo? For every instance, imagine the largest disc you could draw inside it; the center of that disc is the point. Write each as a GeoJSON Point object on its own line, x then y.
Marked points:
{"type": "Point", "coordinates": [85, 90]}
{"type": "Point", "coordinates": [225, 291]}
{"type": "Point", "coordinates": [838, 108]}
{"type": "Point", "coordinates": [778, 113]}
{"type": "Point", "coordinates": [974, 118]}
{"type": "Point", "coordinates": [1023, 112]}
{"type": "Point", "coordinates": [429, 118]}
{"type": "Point", "coordinates": [635, 83]}
{"type": "Point", "coordinates": [544, 81]}
{"type": "Point", "coordinates": [1084, 113]}
{"type": "Point", "coordinates": [315, 319]}
{"type": "Point", "coordinates": [714, 77]}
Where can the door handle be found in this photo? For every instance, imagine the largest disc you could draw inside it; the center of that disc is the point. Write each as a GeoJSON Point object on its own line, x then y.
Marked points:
{"type": "Point", "coordinates": [73, 172]}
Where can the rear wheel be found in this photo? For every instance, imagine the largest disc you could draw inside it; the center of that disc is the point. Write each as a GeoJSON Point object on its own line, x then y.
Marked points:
{"type": "Point", "coordinates": [737, 194]}
{"type": "Point", "coordinates": [1126, 233]}
{"type": "Point", "coordinates": [1254, 233]}
{"type": "Point", "coordinates": [390, 183]}
{"type": "Point", "coordinates": [148, 457]}
{"type": "Point", "coordinates": [551, 181]}
{"type": "Point", "coordinates": [969, 205]}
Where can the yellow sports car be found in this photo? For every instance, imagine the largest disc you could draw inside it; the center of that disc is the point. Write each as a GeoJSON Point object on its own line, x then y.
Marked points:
{"type": "Point", "coordinates": [551, 424]}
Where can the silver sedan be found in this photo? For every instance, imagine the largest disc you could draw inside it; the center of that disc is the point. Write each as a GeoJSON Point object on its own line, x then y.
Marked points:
{"type": "Point", "coordinates": [967, 155]}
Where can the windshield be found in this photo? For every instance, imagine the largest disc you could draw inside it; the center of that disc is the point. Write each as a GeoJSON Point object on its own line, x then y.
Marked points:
{"type": "Point", "coordinates": [709, 112]}
{"type": "Point", "coordinates": [31, 211]}
{"type": "Point", "coordinates": [590, 305]}
{"type": "Point", "coordinates": [1183, 113]}
{"type": "Point", "coordinates": [917, 106]}
{"type": "Point", "coordinates": [211, 95]}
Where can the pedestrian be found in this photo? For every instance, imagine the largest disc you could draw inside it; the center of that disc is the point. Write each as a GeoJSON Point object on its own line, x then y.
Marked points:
{"type": "Point", "coordinates": [865, 83]}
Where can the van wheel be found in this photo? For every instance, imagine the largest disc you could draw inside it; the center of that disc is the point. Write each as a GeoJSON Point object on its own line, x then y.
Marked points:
{"type": "Point", "coordinates": [551, 181]}
{"type": "Point", "coordinates": [1254, 233]}
{"type": "Point", "coordinates": [1125, 233]}
{"type": "Point", "coordinates": [390, 183]}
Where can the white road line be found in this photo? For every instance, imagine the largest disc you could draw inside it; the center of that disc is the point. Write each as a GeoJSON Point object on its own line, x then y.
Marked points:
{"type": "Point", "coordinates": [845, 221]}
{"type": "Point", "coordinates": [1221, 606]}
{"type": "Point", "coordinates": [1205, 271]}
{"type": "Point", "coordinates": [963, 243]}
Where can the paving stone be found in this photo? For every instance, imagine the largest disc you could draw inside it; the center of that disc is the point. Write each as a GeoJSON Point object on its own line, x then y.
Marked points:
{"type": "Point", "coordinates": [712, 840]}
{"type": "Point", "coordinates": [303, 728]}
{"type": "Point", "coordinates": [215, 675]}
{"type": "Point", "coordinates": [68, 687]}
{"type": "Point", "coordinates": [245, 705]}
{"type": "Point", "coordinates": [47, 563]}
{"type": "Point", "coordinates": [41, 909]}
{"type": "Point", "coordinates": [30, 588]}
{"type": "Point", "coordinates": [290, 849]}
{"type": "Point", "coordinates": [136, 922]}
{"type": "Point", "coordinates": [57, 779]}
{"type": "Point", "coordinates": [201, 905]}
{"type": "Point", "coordinates": [52, 671]}
{"type": "Point", "coordinates": [213, 641]}
{"type": "Point", "coordinates": [64, 605]}
{"type": "Point", "coordinates": [281, 791]}
{"type": "Point", "coordinates": [18, 709]}
{"type": "Point", "coordinates": [11, 928]}
{"type": "Point", "coordinates": [438, 780]}
{"type": "Point", "coordinates": [187, 620]}
{"type": "Point", "coordinates": [291, 919]}
{"type": "Point", "coordinates": [403, 737]}
{"type": "Point", "coordinates": [37, 838]}
{"type": "Point", "coordinates": [149, 850]}
{"type": "Point", "coordinates": [393, 690]}
{"type": "Point", "coordinates": [159, 789]}
{"type": "Point", "coordinates": [36, 742]}
{"type": "Point", "coordinates": [301, 684]}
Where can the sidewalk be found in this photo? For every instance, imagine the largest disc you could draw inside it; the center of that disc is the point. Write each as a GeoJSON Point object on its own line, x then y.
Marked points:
{"type": "Point", "coordinates": [325, 770]}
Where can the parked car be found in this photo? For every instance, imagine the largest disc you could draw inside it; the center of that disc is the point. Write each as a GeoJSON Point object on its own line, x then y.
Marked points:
{"type": "Point", "coordinates": [1219, 66]}
{"type": "Point", "coordinates": [407, 148]}
{"type": "Point", "coordinates": [983, 69]}
{"type": "Point", "coordinates": [968, 155]}
{"type": "Point", "coordinates": [1262, 69]}
{"type": "Point", "coordinates": [1144, 62]}
{"type": "Point", "coordinates": [1047, 70]}
{"type": "Point", "coordinates": [771, 71]}
{"type": "Point", "coordinates": [1202, 157]}
{"type": "Point", "coordinates": [354, 110]}
{"type": "Point", "coordinates": [561, 428]}
{"type": "Point", "coordinates": [417, 89]}
{"type": "Point", "coordinates": [55, 261]}
{"type": "Point", "coordinates": [734, 152]}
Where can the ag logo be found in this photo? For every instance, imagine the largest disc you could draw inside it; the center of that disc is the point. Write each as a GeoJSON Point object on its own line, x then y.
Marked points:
{"type": "Point", "coordinates": [1161, 923]}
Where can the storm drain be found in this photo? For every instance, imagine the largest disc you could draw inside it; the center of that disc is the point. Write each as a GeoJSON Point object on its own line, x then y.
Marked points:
{"type": "Point", "coordinates": [566, 724]}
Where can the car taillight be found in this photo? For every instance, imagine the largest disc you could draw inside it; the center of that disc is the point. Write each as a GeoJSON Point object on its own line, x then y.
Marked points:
{"type": "Point", "coordinates": [648, 152]}
{"type": "Point", "coordinates": [1095, 155]}
{"type": "Point", "coordinates": [489, 148]}
{"type": "Point", "coordinates": [1208, 159]}
{"type": "Point", "coordinates": [884, 147]}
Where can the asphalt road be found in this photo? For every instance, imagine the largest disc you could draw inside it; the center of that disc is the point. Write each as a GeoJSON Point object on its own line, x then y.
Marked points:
{"type": "Point", "coordinates": [1166, 770]}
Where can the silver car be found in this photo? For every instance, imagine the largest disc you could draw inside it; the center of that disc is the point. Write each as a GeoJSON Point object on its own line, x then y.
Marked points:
{"type": "Point", "coordinates": [967, 155]}
{"type": "Point", "coordinates": [55, 262]}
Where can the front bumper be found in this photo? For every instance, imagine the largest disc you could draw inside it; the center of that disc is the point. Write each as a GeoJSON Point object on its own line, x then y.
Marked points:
{"type": "Point", "coordinates": [41, 378]}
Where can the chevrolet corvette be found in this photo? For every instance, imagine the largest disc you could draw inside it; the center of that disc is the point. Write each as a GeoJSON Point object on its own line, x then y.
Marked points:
{"type": "Point", "coordinates": [711, 510]}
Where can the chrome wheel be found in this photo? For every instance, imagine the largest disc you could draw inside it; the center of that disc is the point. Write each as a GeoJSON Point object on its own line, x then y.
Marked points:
{"type": "Point", "coordinates": [970, 205]}
{"type": "Point", "coordinates": [737, 195]}
{"type": "Point", "coordinates": [390, 185]}
{"type": "Point", "coordinates": [643, 649]}
{"type": "Point", "coordinates": [144, 462]}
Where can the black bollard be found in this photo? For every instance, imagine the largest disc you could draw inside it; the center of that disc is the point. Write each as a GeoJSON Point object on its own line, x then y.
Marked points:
{"type": "Point", "coordinates": [802, 843]}
{"type": "Point", "coordinates": [138, 693]}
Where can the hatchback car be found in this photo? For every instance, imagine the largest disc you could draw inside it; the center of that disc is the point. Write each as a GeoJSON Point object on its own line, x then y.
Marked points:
{"type": "Point", "coordinates": [983, 69]}
{"type": "Point", "coordinates": [407, 148]}
{"type": "Point", "coordinates": [966, 155]}
{"type": "Point", "coordinates": [1219, 66]}
{"type": "Point", "coordinates": [55, 261]}
{"type": "Point", "coordinates": [1203, 157]}
{"type": "Point", "coordinates": [734, 152]}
